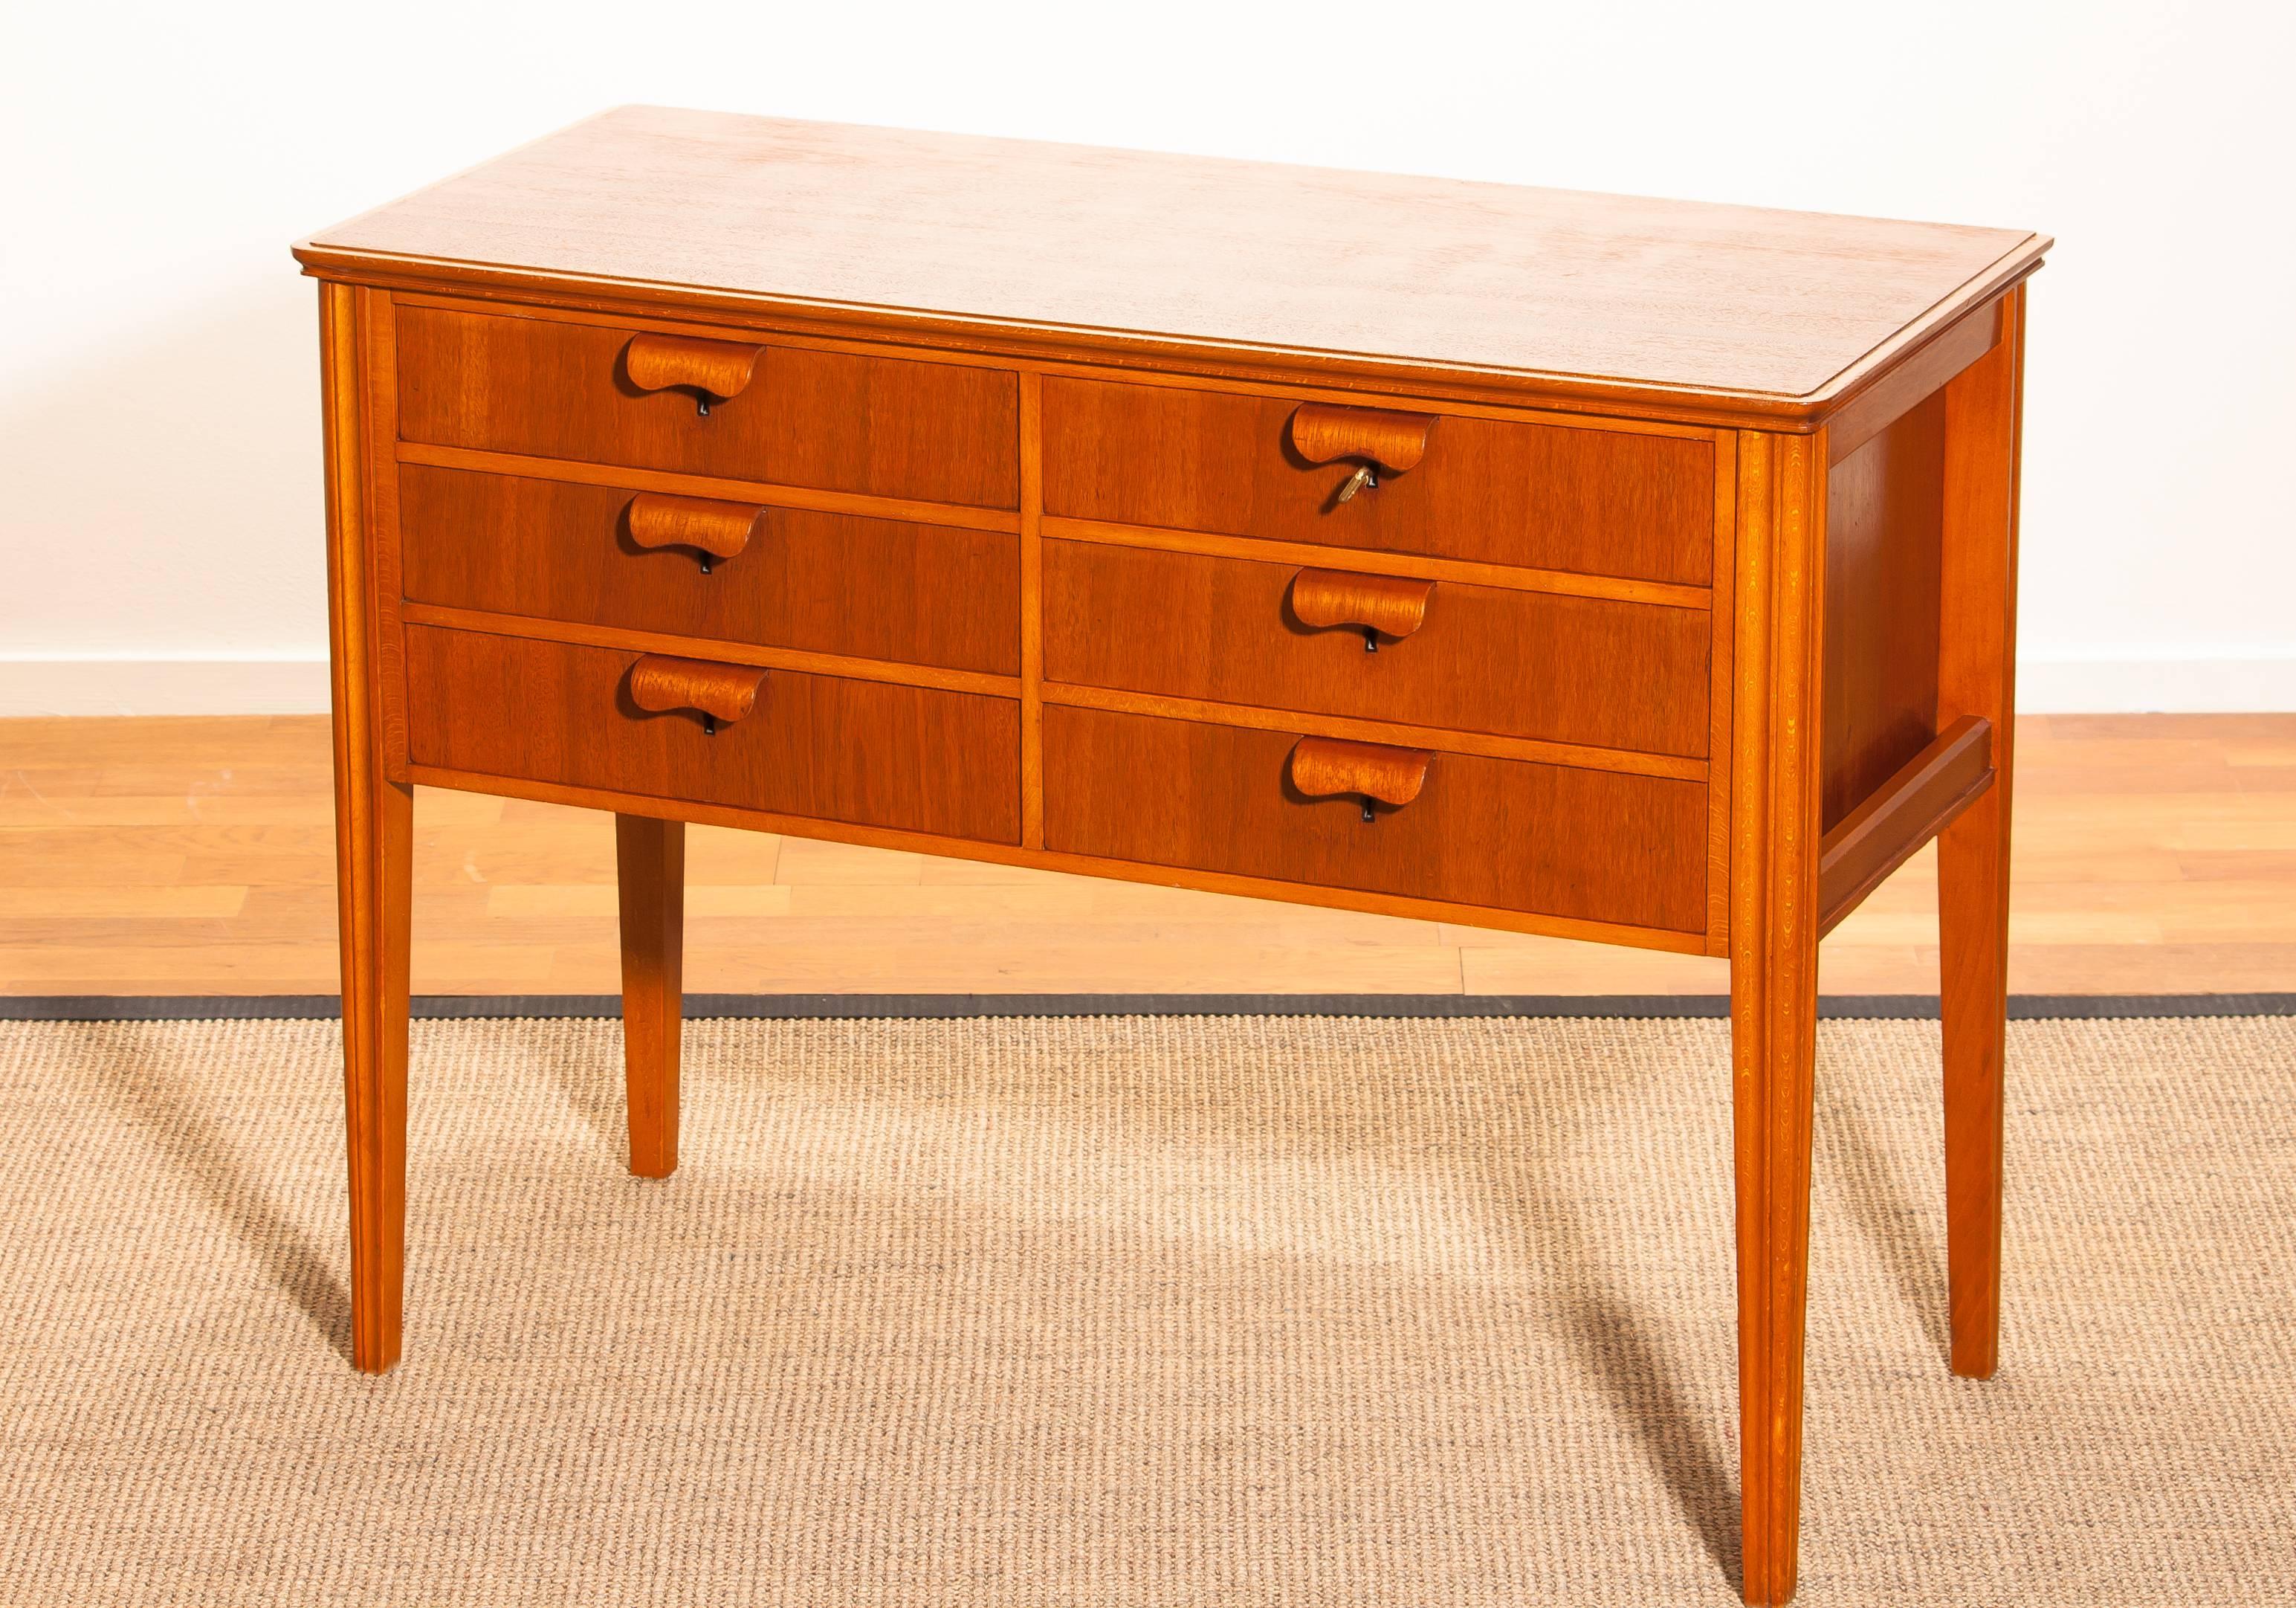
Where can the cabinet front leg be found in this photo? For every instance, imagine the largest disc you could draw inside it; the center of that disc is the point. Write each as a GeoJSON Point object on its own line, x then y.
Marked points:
{"type": "Point", "coordinates": [374, 835]}
{"type": "Point", "coordinates": [649, 857]}
{"type": "Point", "coordinates": [374, 832]}
{"type": "Point", "coordinates": [1773, 1031]}
{"type": "Point", "coordinates": [1773, 928]}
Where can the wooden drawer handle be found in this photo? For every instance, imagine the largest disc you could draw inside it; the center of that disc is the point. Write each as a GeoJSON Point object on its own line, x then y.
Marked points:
{"type": "Point", "coordinates": [1324, 767]}
{"type": "Point", "coordinates": [716, 529]}
{"type": "Point", "coordinates": [717, 692]}
{"type": "Point", "coordinates": [1377, 437]}
{"type": "Point", "coordinates": [713, 370]}
{"type": "Point", "coordinates": [1388, 605]}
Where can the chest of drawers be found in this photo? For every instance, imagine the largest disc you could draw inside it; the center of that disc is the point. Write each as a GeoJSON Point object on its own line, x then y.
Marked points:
{"type": "Point", "coordinates": [1625, 570]}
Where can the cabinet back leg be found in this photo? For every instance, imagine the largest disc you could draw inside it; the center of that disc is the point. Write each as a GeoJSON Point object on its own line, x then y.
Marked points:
{"type": "Point", "coordinates": [1972, 887]}
{"type": "Point", "coordinates": [1774, 1031]}
{"type": "Point", "coordinates": [649, 861]}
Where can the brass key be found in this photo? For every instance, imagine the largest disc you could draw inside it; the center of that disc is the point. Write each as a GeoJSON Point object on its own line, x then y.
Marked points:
{"type": "Point", "coordinates": [1368, 475]}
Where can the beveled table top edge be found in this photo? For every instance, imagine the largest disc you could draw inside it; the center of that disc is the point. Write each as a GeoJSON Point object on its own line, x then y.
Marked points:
{"type": "Point", "coordinates": [1088, 344]}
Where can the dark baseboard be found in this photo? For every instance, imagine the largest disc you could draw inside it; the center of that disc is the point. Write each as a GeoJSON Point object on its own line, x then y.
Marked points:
{"type": "Point", "coordinates": [1909, 1007]}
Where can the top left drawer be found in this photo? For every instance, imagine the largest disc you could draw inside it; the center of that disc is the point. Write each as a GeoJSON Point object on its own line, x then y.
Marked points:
{"type": "Point", "coordinates": [886, 427]}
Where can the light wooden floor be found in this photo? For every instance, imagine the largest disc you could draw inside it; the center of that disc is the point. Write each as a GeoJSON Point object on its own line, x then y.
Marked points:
{"type": "Point", "coordinates": [2155, 854]}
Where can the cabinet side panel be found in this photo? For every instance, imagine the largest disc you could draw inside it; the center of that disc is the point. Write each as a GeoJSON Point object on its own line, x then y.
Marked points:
{"type": "Point", "coordinates": [1883, 517]}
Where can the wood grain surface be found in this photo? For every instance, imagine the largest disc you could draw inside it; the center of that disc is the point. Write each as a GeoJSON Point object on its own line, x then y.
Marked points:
{"type": "Point", "coordinates": [823, 583]}
{"type": "Point", "coordinates": [833, 421]}
{"type": "Point", "coordinates": [1526, 664]}
{"type": "Point", "coordinates": [1133, 249]}
{"type": "Point", "coordinates": [1594, 501]}
{"type": "Point", "coordinates": [1588, 845]}
{"type": "Point", "coordinates": [1882, 520]}
{"type": "Point", "coordinates": [869, 752]}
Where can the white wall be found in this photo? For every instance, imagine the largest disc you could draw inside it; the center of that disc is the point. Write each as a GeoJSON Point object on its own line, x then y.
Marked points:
{"type": "Point", "coordinates": [160, 504]}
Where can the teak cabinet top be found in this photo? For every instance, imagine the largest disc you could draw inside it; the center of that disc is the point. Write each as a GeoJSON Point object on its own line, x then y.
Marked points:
{"type": "Point", "coordinates": [1080, 253]}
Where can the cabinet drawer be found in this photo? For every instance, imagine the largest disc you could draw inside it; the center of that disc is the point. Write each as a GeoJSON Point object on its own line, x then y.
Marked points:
{"type": "Point", "coordinates": [1482, 659]}
{"type": "Point", "coordinates": [819, 746]}
{"type": "Point", "coordinates": [932, 432]}
{"type": "Point", "coordinates": [827, 583]}
{"type": "Point", "coordinates": [1545, 839]}
{"type": "Point", "coordinates": [1597, 502]}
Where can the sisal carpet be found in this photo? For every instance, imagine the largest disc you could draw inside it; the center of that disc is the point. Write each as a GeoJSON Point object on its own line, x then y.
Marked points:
{"type": "Point", "coordinates": [1147, 1311]}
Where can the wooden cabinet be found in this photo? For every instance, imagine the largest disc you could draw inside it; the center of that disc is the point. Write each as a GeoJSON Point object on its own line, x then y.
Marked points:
{"type": "Point", "coordinates": [1580, 565]}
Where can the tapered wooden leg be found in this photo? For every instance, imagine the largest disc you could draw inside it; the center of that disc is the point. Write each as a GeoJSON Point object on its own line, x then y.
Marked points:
{"type": "Point", "coordinates": [650, 858]}
{"type": "Point", "coordinates": [1972, 914]}
{"type": "Point", "coordinates": [1976, 675]}
{"type": "Point", "coordinates": [374, 836]}
{"type": "Point", "coordinates": [373, 844]}
{"type": "Point", "coordinates": [1774, 1016]}
{"type": "Point", "coordinates": [1774, 931]}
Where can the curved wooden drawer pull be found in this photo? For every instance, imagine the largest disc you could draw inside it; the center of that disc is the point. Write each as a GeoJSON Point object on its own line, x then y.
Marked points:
{"type": "Point", "coordinates": [715, 692]}
{"type": "Point", "coordinates": [1377, 437]}
{"type": "Point", "coordinates": [1322, 768]}
{"type": "Point", "coordinates": [1390, 605]}
{"type": "Point", "coordinates": [713, 370]}
{"type": "Point", "coordinates": [716, 529]}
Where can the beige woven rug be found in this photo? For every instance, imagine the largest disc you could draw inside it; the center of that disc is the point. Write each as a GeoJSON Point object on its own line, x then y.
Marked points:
{"type": "Point", "coordinates": [1150, 1310]}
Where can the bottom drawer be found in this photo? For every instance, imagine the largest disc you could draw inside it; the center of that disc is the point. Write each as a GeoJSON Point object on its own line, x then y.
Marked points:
{"type": "Point", "coordinates": [1545, 839]}
{"type": "Point", "coordinates": [913, 758]}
